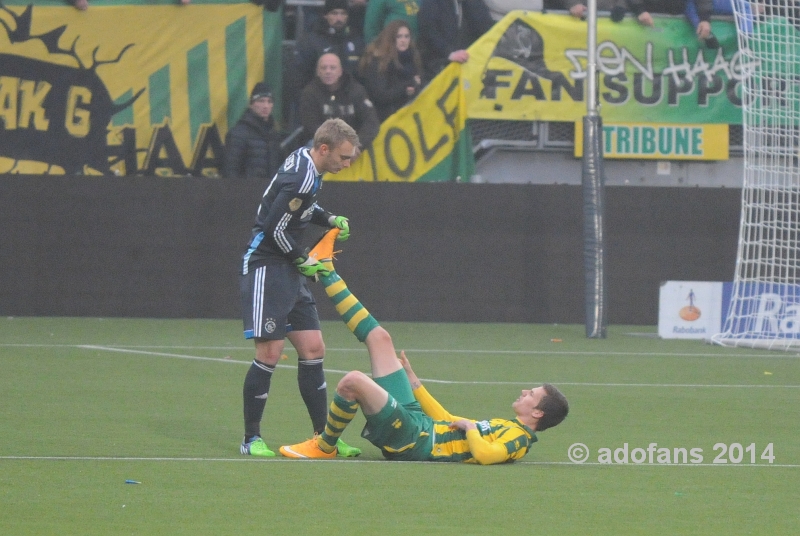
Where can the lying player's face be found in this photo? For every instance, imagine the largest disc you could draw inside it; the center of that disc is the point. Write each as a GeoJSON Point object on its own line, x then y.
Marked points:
{"type": "Point", "coordinates": [528, 400]}
{"type": "Point", "coordinates": [339, 158]}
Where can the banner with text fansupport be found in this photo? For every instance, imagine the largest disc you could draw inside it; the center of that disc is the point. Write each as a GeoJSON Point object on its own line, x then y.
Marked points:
{"type": "Point", "coordinates": [532, 66]}
{"type": "Point", "coordinates": [127, 89]}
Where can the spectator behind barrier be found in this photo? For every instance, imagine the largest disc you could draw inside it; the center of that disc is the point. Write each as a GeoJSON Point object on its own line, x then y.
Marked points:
{"type": "Point", "coordinates": [382, 12]}
{"type": "Point", "coordinates": [252, 146]}
{"type": "Point", "coordinates": [331, 34]}
{"type": "Point", "coordinates": [578, 9]}
{"type": "Point", "coordinates": [334, 93]}
{"type": "Point", "coordinates": [719, 7]}
{"type": "Point", "coordinates": [357, 12]}
{"type": "Point", "coordinates": [642, 10]}
{"type": "Point", "coordinates": [391, 69]}
{"type": "Point", "coordinates": [447, 28]}
{"type": "Point", "coordinates": [500, 8]}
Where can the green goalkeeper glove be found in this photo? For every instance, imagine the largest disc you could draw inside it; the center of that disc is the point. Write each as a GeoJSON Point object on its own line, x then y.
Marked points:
{"type": "Point", "coordinates": [342, 223]}
{"type": "Point", "coordinates": [310, 267]}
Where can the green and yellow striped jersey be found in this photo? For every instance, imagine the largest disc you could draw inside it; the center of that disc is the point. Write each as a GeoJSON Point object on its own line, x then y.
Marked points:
{"type": "Point", "coordinates": [494, 441]}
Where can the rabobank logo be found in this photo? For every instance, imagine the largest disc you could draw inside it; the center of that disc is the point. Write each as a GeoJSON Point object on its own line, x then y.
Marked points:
{"type": "Point", "coordinates": [690, 309]}
{"type": "Point", "coordinates": [691, 312]}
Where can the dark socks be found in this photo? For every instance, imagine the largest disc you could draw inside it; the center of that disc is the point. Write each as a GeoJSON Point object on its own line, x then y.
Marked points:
{"type": "Point", "coordinates": [254, 396]}
{"type": "Point", "coordinates": [314, 390]}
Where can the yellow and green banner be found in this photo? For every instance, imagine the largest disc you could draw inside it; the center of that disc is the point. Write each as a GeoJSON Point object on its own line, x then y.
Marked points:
{"type": "Point", "coordinates": [152, 88]}
{"type": "Point", "coordinates": [129, 88]}
{"type": "Point", "coordinates": [533, 66]}
{"type": "Point", "coordinates": [662, 94]}
{"type": "Point", "coordinates": [424, 141]}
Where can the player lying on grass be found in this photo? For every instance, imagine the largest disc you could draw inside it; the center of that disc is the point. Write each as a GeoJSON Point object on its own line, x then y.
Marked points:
{"type": "Point", "coordinates": [403, 419]}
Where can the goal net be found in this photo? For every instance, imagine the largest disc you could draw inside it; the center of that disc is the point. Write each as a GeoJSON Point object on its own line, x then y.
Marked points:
{"type": "Point", "coordinates": [764, 308]}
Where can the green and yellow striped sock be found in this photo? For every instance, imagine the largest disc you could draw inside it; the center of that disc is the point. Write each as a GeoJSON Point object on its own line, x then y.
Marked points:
{"type": "Point", "coordinates": [355, 315]}
{"type": "Point", "coordinates": [340, 414]}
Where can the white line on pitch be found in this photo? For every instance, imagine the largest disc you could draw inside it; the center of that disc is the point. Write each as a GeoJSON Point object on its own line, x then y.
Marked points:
{"type": "Point", "coordinates": [183, 356]}
{"type": "Point", "coordinates": [428, 380]}
{"type": "Point", "coordinates": [554, 353]}
{"type": "Point", "coordinates": [362, 460]}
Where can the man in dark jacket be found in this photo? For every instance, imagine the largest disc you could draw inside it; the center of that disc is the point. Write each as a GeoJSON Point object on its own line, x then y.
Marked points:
{"type": "Point", "coordinates": [447, 28]}
{"type": "Point", "coordinates": [332, 94]}
{"type": "Point", "coordinates": [253, 146]}
{"type": "Point", "coordinates": [332, 34]}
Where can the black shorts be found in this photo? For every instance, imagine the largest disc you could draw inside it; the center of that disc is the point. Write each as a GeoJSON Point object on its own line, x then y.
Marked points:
{"type": "Point", "coordinates": [275, 300]}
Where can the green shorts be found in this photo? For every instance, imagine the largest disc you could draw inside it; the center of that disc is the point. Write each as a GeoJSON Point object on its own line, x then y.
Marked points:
{"type": "Point", "coordinates": [400, 429]}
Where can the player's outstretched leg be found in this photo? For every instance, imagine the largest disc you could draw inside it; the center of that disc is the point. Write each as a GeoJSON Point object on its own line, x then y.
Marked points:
{"type": "Point", "coordinates": [367, 330]}
{"type": "Point", "coordinates": [354, 315]}
{"type": "Point", "coordinates": [323, 252]}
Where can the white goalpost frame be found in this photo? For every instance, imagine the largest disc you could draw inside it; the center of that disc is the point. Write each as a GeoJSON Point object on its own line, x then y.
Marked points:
{"type": "Point", "coordinates": [764, 310]}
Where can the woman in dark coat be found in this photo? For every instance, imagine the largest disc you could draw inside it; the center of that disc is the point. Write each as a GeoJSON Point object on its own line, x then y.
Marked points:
{"type": "Point", "coordinates": [391, 69]}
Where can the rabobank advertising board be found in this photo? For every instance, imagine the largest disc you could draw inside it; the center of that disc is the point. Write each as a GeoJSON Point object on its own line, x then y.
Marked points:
{"type": "Point", "coordinates": [699, 309]}
{"type": "Point", "coordinates": [690, 309]}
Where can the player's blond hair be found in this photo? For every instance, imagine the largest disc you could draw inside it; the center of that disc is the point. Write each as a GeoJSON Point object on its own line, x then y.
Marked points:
{"type": "Point", "coordinates": [333, 133]}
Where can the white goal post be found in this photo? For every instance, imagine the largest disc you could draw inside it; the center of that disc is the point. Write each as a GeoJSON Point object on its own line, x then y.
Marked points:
{"type": "Point", "coordinates": [764, 309]}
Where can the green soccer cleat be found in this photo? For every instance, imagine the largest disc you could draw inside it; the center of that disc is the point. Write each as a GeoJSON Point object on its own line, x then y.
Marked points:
{"type": "Point", "coordinates": [256, 447]}
{"type": "Point", "coordinates": [346, 451]}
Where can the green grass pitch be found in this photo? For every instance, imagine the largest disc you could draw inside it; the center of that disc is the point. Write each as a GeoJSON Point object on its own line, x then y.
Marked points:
{"type": "Point", "coordinates": [90, 403]}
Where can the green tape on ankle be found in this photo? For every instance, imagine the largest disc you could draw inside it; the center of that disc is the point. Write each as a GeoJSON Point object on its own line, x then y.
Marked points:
{"type": "Point", "coordinates": [364, 327]}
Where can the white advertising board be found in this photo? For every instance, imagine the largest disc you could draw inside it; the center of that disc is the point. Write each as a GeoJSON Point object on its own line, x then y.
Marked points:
{"type": "Point", "coordinates": [689, 309]}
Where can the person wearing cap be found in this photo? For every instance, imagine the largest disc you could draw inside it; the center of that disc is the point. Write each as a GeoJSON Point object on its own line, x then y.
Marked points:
{"type": "Point", "coordinates": [253, 145]}
{"type": "Point", "coordinates": [331, 34]}
{"type": "Point", "coordinates": [334, 93]}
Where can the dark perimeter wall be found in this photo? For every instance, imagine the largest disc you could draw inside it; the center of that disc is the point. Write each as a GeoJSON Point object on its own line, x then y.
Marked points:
{"type": "Point", "coordinates": [167, 247]}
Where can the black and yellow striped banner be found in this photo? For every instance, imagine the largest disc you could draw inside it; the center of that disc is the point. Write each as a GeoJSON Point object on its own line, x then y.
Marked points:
{"type": "Point", "coordinates": [133, 88]}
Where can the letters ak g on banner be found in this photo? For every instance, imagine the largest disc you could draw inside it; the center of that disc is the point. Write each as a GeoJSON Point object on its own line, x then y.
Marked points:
{"type": "Point", "coordinates": [130, 89]}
